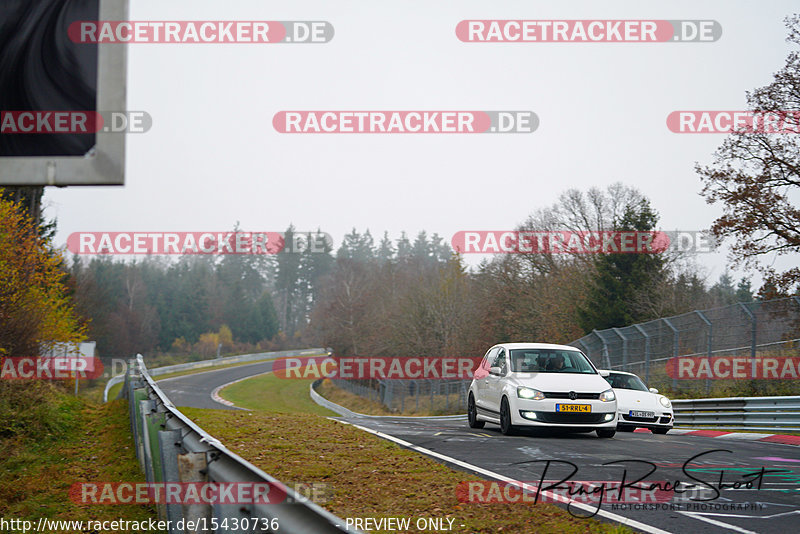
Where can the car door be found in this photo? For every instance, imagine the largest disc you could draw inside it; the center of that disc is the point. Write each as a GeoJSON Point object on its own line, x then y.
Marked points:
{"type": "Point", "coordinates": [482, 377]}
{"type": "Point", "coordinates": [495, 383]}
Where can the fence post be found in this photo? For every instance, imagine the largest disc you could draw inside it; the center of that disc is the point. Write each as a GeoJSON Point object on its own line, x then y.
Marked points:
{"type": "Point", "coordinates": [675, 347]}
{"type": "Point", "coordinates": [710, 344]}
{"type": "Point", "coordinates": [646, 337]}
{"type": "Point", "coordinates": [752, 338]}
{"type": "Point", "coordinates": [388, 394]}
{"type": "Point", "coordinates": [605, 348]}
{"type": "Point", "coordinates": [585, 347]}
{"type": "Point", "coordinates": [624, 348]}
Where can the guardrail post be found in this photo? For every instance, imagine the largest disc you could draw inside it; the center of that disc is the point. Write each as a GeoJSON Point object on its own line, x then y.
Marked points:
{"type": "Point", "coordinates": [675, 346]}
{"type": "Point", "coordinates": [138, 395]}
{"type": "Point", "coordinates": [646, 337]}
{"type": "Point", "coordinates": [193, 467]}
{"type": "Point", "coordinates": [154, 422]}
{"type": "Point", "coordinates": [145, 407]}
{"type": "Point", "coordinates": [169, 442]}
{"type": "Point", "coordinates": [710, 344]}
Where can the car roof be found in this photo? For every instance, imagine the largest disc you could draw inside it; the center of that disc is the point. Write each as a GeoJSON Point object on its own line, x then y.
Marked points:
{"type": "Point", "coordinates": [534, 346]}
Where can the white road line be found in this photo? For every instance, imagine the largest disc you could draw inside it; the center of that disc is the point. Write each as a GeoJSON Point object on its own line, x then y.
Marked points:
{"type": "Point", "coordinates": [745, 436]}
{"type": "Point", "coordinates": [216, 397]}
{"type": "Point", "coordinates": [696, 515]}
{"type": "Point", "coordinates": [608, 515]}
{"type": "Point", "coordinates": [212, 370]}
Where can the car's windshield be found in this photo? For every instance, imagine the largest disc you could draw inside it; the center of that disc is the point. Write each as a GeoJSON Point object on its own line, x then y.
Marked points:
{"type": "Point", "coordinates": [549, 361]}
{"type": "Point", "coordinates": [623, 381]}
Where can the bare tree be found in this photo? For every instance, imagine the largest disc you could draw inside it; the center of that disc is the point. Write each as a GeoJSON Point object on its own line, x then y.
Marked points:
{"type": "Point", "coordinates": [756, 177]}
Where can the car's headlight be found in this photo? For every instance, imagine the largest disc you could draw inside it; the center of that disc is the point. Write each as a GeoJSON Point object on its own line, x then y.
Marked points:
{"type": "Point", "coordinates": [608, 395]}
{"type": "Point", "coordinates": [664, 402]}
{"type": "Point", "coordinates": [529, 393]}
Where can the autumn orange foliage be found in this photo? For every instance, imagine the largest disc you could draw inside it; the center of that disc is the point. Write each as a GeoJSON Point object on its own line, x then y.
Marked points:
{"type": "Point", "coordinates": [35, 307]}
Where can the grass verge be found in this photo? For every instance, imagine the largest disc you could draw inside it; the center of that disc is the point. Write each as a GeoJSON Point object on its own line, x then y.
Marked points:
{"type": "Point", "coordinates": [368, 476]}
{"type": "Point", "coordinates": [270, 393]}
{"type": "Point", "coordinates": [353, 402]}
{"type": "Point", "coordinates": [92, 444]}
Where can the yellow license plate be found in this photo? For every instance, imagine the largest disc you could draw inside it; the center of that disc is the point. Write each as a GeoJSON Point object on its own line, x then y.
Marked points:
{"type": "Point", "coordinates": [573, 407]}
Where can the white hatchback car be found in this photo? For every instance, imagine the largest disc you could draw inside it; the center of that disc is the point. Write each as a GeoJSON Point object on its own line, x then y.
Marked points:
{"type": "Point", "coordinates": [638, 406]}
{"type": "Point", "coordinates": [541, 385]}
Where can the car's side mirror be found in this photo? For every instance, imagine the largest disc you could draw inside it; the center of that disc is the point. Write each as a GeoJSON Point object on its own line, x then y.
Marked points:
{"type": "Point", "coordinates": [495, 371]}
{"type": "Point", "coordinates": [604, 373]}
{"type": "Point", "coordinates": [653, 390]}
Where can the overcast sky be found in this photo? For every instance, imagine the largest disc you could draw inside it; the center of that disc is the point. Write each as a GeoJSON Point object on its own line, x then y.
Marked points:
{"type": "Point", "coordinates": [213, 158]}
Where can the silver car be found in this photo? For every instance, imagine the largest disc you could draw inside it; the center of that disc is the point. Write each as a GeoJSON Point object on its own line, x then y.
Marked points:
{"type": "Point", "coordinates": [638, 406]}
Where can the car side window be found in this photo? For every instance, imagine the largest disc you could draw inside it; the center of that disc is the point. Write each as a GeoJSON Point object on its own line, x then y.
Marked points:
{"type": "Point", "coordinates": [500, 361]}
{"type": "Point", "coordinates": [488, 360]}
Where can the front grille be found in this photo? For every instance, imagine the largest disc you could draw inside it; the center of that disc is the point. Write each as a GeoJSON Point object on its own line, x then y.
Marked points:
{"type": "Point", "coordinates": [562, 395]}
{"type": "Point", "coordinates": [639, 419]}
{"type": "Point", "coordinates": [569, 418]}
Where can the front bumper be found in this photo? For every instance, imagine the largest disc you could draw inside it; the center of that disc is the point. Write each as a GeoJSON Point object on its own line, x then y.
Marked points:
{"type": "Point", "coordinates": [662, 419]}
{"type": "Point", "coordinates": [526, 412]}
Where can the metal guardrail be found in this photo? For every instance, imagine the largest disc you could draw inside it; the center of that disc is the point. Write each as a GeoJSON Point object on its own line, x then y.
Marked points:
{"type": "Point", "coordinates": [772, 414]}
{"type": "Point", "coordinates": [171, 448]}
{"type": "Point", "coordinates": [441, 396]}
{"type": "Point", "coordinates": [202, 364]}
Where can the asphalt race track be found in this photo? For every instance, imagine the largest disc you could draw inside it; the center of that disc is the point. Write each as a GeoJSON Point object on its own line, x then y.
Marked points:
{"type": "Point", "coordinates": [774, 507]}
{"type": "Point", "coordinates": [195, 390]}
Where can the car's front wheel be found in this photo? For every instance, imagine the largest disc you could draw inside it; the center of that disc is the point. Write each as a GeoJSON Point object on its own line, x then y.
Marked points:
{"type": "Point", "coordinates": [660, 430]}
{"type": "Point", "coordinates": [472, 413]}
{"type": "Point", "coordinates": [606, 432]}
{"type": "Point", "coordinates": [505, 418]}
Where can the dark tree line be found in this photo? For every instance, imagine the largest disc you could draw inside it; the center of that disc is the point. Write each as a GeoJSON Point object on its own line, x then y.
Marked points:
{"type": "Point", "coordinates": [418, 298]}
{"type": "Point", "coordinates": [158, 305]}
{"type": "Point", "coordinates": [395, 297]}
